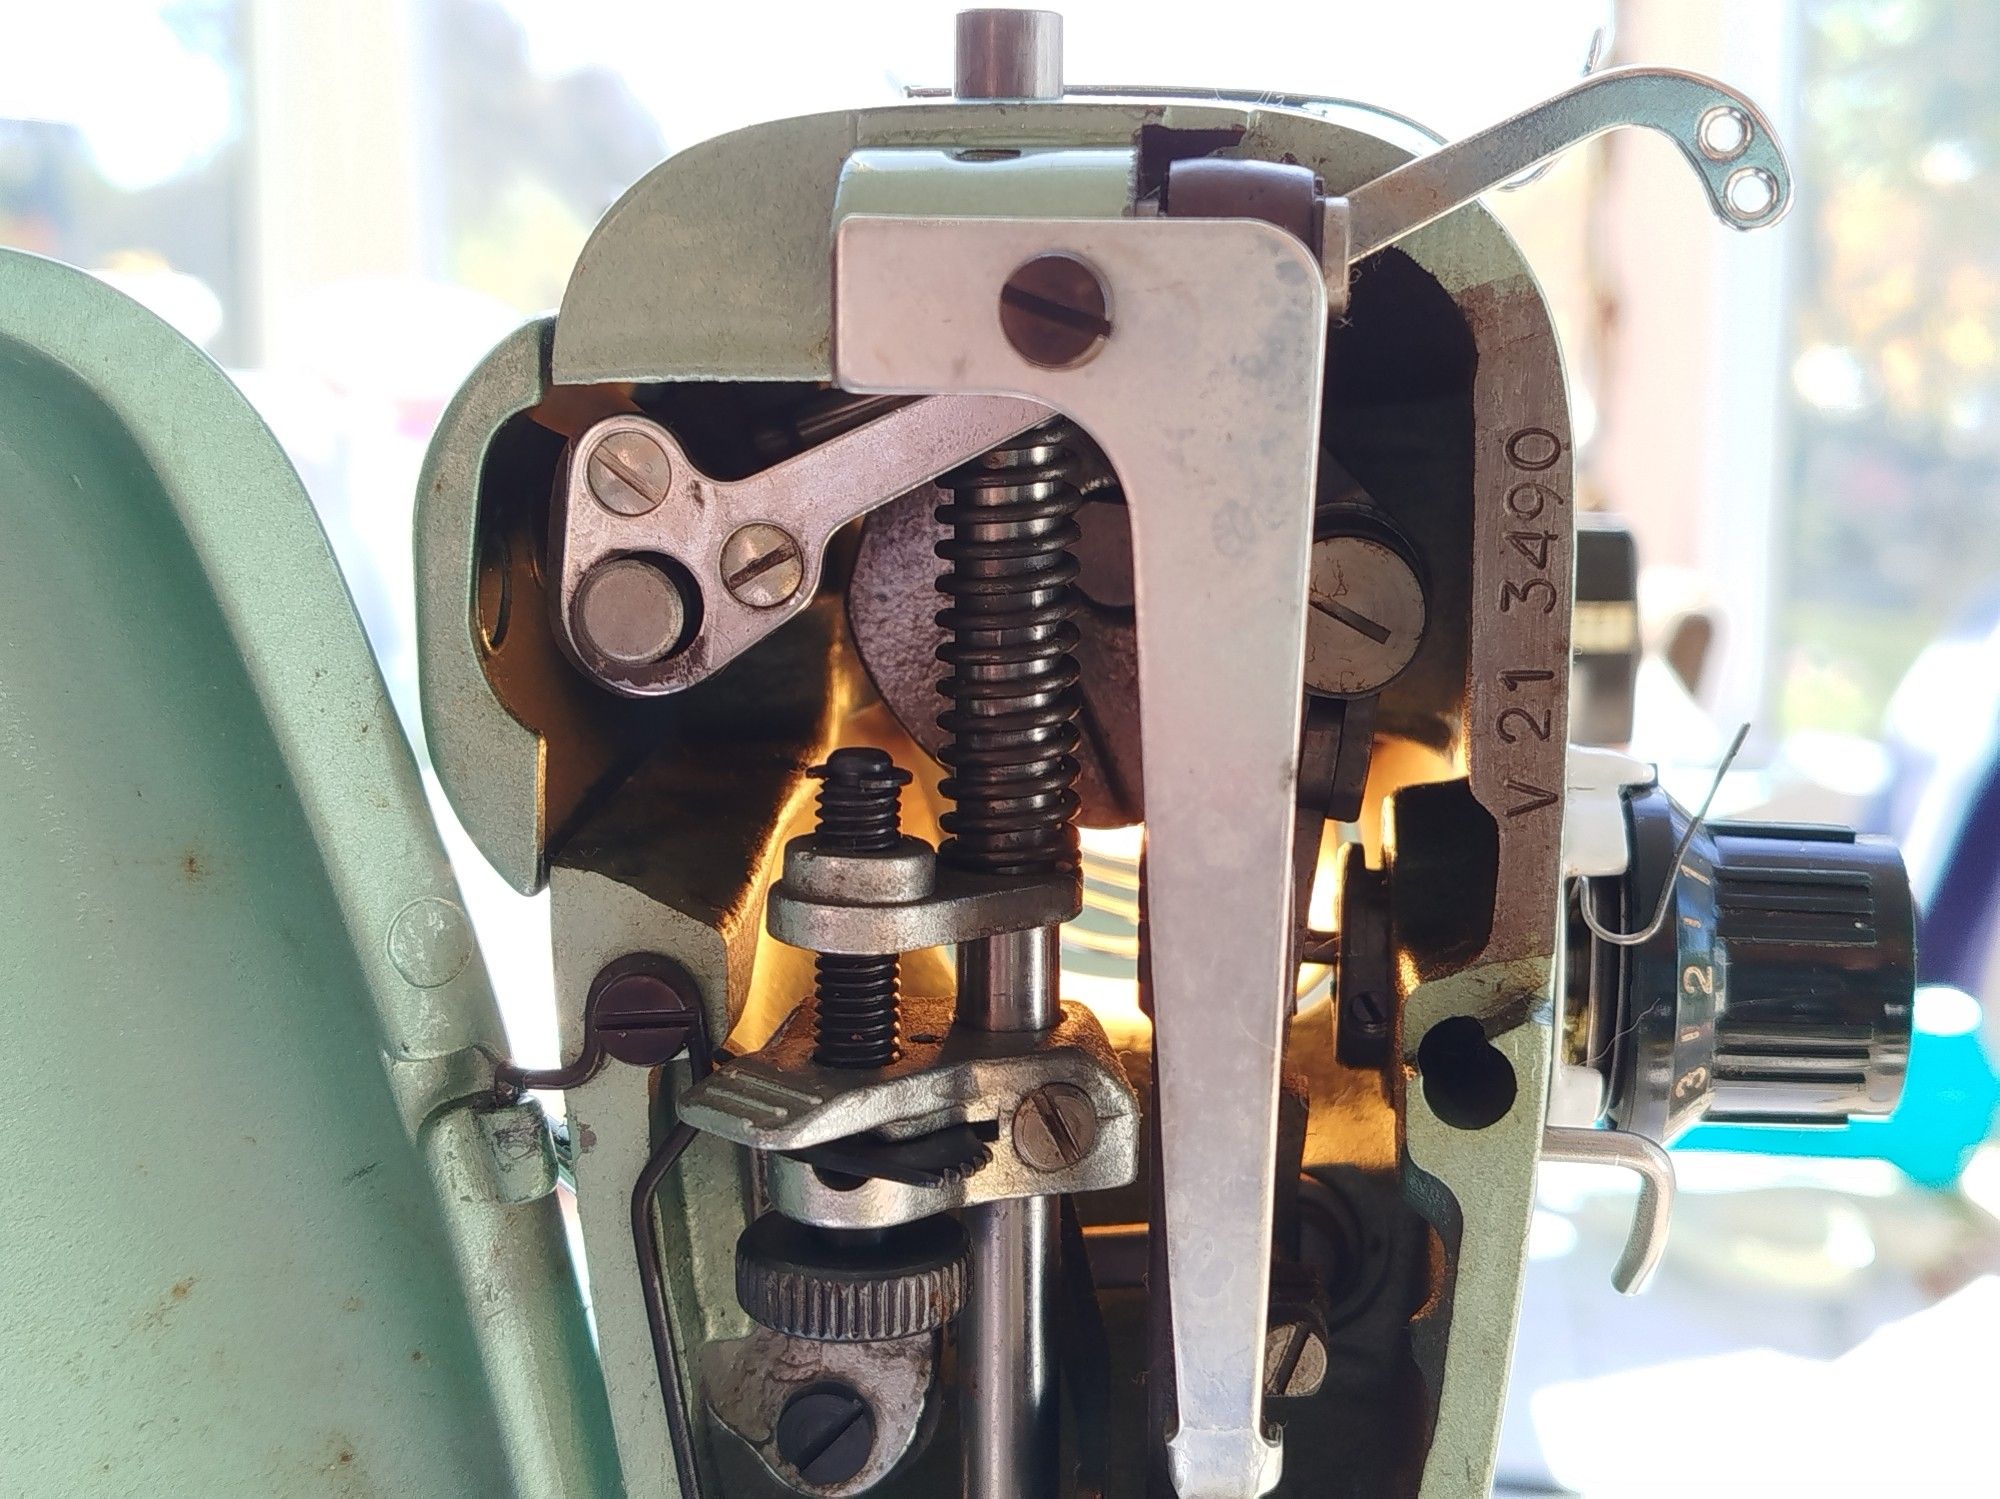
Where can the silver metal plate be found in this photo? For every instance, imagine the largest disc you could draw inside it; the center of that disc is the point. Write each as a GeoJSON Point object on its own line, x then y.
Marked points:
{"type": "Point", "coordinates": [1205, 397]}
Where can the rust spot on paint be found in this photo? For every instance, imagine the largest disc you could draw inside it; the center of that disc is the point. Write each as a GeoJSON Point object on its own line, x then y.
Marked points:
{"type": "Point", "coordinates": [352, 1304]}
{"type": "Point", "coordinates": [156, 1316]}
{"type": "Point", "coordinates": [191, 866]}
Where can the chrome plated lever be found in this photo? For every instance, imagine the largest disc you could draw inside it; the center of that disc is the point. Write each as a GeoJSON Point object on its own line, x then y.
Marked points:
{"type": "Point", "coordinates": [1724, 137]}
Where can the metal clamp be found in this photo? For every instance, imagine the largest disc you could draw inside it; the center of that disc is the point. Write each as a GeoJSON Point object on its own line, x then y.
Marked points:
{"type": "Point", "coordinates": [777, 1100]}
{"type": "Point", "coordinates": [1653, 1213]}
{"type": "Point", "coordinates": [665, 575]}
{"type": "Point", "coordinates": [832, 901]}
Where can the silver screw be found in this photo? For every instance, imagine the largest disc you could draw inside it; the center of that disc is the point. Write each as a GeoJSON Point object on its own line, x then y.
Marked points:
{"type": "Point", "coordinates": [629, 612]}
{"type": "Point", "coordinates": [1055, 1127]}
{"type": "Point", "coordinates": [762, 565]}
{"type": "Point", "coordinates": [628, 472]}
{"type": "Point", "coordinates": [1294, 1360]}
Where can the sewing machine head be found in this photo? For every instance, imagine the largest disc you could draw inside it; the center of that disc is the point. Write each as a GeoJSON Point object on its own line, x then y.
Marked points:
{"type": "Point", "coordinates": [1029, 635]}
{"type": "Point", "coordinates": [1033, 638]}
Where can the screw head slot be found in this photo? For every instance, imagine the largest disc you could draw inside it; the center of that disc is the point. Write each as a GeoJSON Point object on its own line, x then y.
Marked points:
{"type": "Point", "coordinates": [1054, 311]}
{"type": "Point", "coordinates": [826, 1434]}
{"type": "Point", "coordinates": [762, 565]}
{"type": "Point", "coordinates": [1055, 1127]}
{"type": "Point", "coordinates": [628, 472]}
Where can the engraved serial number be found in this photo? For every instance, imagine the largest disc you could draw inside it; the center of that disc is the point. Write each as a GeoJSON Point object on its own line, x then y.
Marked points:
{"type": "Point", "coordinates": [1532, 555]}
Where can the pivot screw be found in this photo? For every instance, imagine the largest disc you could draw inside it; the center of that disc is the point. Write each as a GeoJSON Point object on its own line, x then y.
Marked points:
{"type": "Point", "coordinates": [1055, 1127]}
{"type": "Point", "coordinates": [1053, 311]}
{"type": "Point", "coordinates": [1370, 1011]}
{"type": "Point", "coordinates": [642, 1016]}
{"type": "Point", "coordinates": [762, 565]}
{"type": "Point", "coordinates": [630, 612]}
{"type": "Point", "coordinates": [826, 1434]}
{"type": "Point", "coordinates": [1294, 1360]}
{"type": "Point", "coordinates": [628, 472]}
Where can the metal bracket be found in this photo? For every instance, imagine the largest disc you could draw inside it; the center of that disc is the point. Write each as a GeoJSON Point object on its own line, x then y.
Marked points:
{"type": "Point", "coordinates": [831, 901]}
{"type": "Point", "coordinates": [779, 1100]}
{"type": "Point", "coordinates": [665, 507]}
{"type": "Point", "coordinates": [1205, 397]}
{"type": "Point", "coordinates": [749, 1381]}
{"type": "Point", "coordinates": [1724, 137]}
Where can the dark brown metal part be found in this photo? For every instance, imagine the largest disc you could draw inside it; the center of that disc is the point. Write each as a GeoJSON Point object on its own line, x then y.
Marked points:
{"type": "Point", "coordinates": [842, 1287]}
{"type": "Point", "coordinates": [1229, 187]}
{"type": "Point", "coordinates": [643, 1009]}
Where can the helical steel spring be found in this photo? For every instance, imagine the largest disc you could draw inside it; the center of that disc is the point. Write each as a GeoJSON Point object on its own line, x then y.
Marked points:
{"type": "Point", "coordinates": [860, 797]}
{"type": "Point", "coordinates": [1011, 680]}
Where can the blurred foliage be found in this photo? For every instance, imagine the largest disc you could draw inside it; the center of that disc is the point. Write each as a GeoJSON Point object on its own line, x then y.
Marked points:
{"type": "Point", "coordinates": [531, 163]}
{"type": "Point", "coordinates": [1895, 525]}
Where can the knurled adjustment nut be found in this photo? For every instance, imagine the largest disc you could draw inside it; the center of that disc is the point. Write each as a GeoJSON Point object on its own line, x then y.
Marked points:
{"type": "Point", "coordinates": [835, 1287]}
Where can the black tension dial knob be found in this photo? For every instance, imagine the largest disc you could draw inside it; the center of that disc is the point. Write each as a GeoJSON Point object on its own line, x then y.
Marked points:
{"type": "Point", "coordinates": [1779, 988]}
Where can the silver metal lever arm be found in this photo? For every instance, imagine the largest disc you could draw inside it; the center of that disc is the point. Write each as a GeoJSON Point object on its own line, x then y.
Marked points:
{"type": "Point", "coordinates": [1205, 396]}
{"type": "Point", "coordinates": [1724, 137]}
{"type": "Point", "coordinates": [800, 503]}
{"type": "Point", "coordinates": [1650, 1218]}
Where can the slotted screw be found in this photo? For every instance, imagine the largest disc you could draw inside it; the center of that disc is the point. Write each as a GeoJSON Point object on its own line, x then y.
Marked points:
{"type": "Point", "coordinates": [1294, 1360]}
{"type": "Point", "coordinates": [826, 1434]}
{"type": "Point", "coordinates": [1055, 1127]}
{"type": "Point", "coordinates": [1053, 311]}
{"type": "Point", "coordinates": [628, 472]}
{"type": "Point", "coordinates": [641, 1015]}
{"type": "Point", "coordinates": [762, 565]}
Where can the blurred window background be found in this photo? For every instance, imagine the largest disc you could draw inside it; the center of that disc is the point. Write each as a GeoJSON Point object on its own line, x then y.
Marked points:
{"type": "Point", "coordinates": [347, 202]}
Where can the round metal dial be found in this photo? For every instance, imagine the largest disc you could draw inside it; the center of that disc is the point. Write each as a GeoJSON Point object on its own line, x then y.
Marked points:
{"type": "Point", "coordinates": [1365, 616]}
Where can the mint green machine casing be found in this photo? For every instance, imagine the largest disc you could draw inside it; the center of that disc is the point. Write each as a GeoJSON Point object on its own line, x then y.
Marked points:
{"type": "Point", "coordinates": [260, 1239]}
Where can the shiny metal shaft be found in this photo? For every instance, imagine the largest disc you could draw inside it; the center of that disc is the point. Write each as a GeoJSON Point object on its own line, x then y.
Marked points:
{"type": "Point", "coordinates": [1009, 54]}
{"type": "Point", "coordinates": [1008, 1412]}
{"type": "Point", "coordinates": [1008, 1415]}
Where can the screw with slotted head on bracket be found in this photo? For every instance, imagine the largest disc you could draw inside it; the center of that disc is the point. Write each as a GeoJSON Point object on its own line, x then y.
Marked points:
{"type": "Point", "coordinates": [628, 472]}
{"type": "Point", "coordinates": [762, 565]}
{"type": "Point", "coordinates": [643, 1010]}
{"type": "Point", "coordinates": [1055, 1127]}
{"type": "Point", "coordinates": [1294, 1360]}
{"type": "Point", "coordinates": [826, 1434]}
{"type": "Point", "coordinates": [1054, 311]}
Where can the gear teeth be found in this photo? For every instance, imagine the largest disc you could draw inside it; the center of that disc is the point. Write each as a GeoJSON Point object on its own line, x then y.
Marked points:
{"type": "Point", "coordinates": [837, 1288]}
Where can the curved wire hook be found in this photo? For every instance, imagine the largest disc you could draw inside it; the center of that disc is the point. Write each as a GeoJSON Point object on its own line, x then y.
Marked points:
{"type": "Point", "coordinates": [1651, 929]}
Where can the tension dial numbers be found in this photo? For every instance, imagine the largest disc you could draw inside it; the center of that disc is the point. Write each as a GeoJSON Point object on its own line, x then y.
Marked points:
{"type": "Point", "coordinates": [1365, 616]}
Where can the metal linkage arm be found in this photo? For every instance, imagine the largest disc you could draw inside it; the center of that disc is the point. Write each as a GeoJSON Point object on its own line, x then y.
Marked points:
{"type": "Point", "coordinates": [1724, 137]}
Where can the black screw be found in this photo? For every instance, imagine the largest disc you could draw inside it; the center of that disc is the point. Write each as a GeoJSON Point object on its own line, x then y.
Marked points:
{"type": "Point", "coordinates": [643, 1010]}
{"type": "Point", "coordinates": [1369, 1011]}
{"type": "Point", "coordinates": [1053, 311]}
{"type": "Point", "coordinates": [826, 1433]}
{"type": "Point", "coordinates": [860, 812]}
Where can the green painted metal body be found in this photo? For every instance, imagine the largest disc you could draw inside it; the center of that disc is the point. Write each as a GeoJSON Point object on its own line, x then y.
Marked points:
{"type": "Point", "coordinates": [258, 1240]}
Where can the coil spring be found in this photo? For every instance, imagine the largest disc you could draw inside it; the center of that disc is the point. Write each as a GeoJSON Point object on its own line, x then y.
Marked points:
{"type": "Point", "coordinates": [860, 812]}
{"type": "Point", "coordinates": [1010, 732]}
